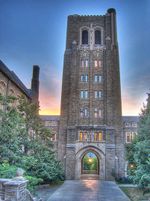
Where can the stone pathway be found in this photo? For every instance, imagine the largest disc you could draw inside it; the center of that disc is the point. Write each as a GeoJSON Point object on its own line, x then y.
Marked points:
{"type": "Point", "coordinates": [88, 190]}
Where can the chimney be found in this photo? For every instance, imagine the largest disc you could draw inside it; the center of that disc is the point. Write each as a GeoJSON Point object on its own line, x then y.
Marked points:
{"type": "Point", "coordinates": [35, 84]}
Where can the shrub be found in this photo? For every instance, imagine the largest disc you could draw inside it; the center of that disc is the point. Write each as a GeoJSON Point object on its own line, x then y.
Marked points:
{"type": "Point", "coordinates": [33, 182]}
{"type": "Point", "coordinates": [7, 171]}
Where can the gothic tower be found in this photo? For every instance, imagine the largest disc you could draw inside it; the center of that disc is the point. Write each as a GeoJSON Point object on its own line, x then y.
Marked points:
{"type": "Point", "coordinates": [90, 122]}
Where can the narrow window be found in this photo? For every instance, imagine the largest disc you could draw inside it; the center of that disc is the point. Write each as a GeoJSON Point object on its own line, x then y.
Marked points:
{"type": "Point", "coordinates": [100, 113]}
{"type": "Point", "coordinates": [84, 37]}
{"type": "Point", "coordinates": [95, 113]}
{"type": "Point", "coordinates": [97, 37]}
{"type": "Point", "coordinates": [95, 63]}
{"type": "Point", "coordinates": [128, 137]}
{"type": "Point", "coordinates": [84, 94]}
{"type": "Point", "coordinates": [86, 78]}
{"type": "Point", "coordinates": [82, 78]}
{"type": "Point", "coordinates": [100, 63]}
{"type": "Point", "coordinates": [82, 63]}
{"type": "Point", "coordinates": [81, 113]}
{"type": "Point", "coordinates": [100, 136]}
{"type": "Point", "coordinates": [86, 63]}
{"type": "Point", "coordinates": [80, 136]}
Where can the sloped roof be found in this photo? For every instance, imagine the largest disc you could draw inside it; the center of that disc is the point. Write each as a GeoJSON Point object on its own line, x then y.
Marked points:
{"type": "Point", "coordinates": [130, 119]}
{"type": "Point", "coordinates": [50, 117]}
{"type": "Point", "coordinates": [14, 78]}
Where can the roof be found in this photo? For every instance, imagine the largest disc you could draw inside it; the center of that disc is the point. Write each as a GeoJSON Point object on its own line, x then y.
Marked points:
{"type": "Point", "coordinates": [57, 118]}
{"type": "Point", "coordinates": [130, 118]}
{"type": "Point", "coordinates": [13, 77]}
{"type": "Point", "coordinates": [50, 117]}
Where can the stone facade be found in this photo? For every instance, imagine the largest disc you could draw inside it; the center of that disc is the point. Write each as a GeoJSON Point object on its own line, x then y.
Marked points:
{"type": "Point", "coordinates": [91, 100]}
{"type": "Point", "coordinates": [11, 85]}
{"type": "Point", "coordinates": [130, 124]}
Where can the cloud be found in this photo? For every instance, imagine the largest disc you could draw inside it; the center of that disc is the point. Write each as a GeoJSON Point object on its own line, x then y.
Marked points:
{"type": "Point", "coordinates": [50, 91]}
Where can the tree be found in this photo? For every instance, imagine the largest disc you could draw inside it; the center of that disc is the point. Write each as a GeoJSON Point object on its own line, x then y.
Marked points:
{"type": "Point", "coordinates": [25, 142]}
{"type": "Point", "coordinates": [139, 151]}
{"type": "Point", "coordinates": [10, 130]}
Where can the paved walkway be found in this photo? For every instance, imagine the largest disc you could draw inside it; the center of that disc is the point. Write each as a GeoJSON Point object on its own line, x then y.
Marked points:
{"type": "Point", "coordinates": [88, 190]}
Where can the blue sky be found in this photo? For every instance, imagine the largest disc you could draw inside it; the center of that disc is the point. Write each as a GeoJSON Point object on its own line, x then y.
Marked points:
{"type": "Point", "coordinates": [34, 32]}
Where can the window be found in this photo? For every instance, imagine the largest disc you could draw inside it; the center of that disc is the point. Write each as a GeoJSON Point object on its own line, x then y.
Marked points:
{"type": "Point", "coordinates": [90, 136]}
{"type": "Point", "coordinates": [84, 78]}
{"type": "Point", "coordinates": [84, 112]}
{"type": "Point", "coordinates": [98, 94]}
{"type": "Point", "coordinates": [100, 136]}
{"type": "Point", "coordinates": [84, 63]}
{"type": "Point", "coordinates": [98, 78]}
{"type": "Point", "coordinates": [130, 136]}
{"type": "Point", "coordinates": [134, 124]}
{"type": "Point", "coordinates": [97, 37]}
{"type": "Point", "coordinates": [97, 113]}
{"type": "Point", "coordinates": [84, 37]}
{"type": "Point", "coordinates": [84, 94]}
{"type": "Point", "coordinates": [97, 63]}
{"type": "Point", "coordinates": [127, 124]}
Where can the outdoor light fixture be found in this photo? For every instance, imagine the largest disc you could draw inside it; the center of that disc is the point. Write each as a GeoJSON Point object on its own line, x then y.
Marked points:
{"type": "Point", "coordinates": [131, 166]}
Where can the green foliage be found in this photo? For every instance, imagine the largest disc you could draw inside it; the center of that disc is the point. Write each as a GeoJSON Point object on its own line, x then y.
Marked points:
{"type": "Point", "coordinates": [33, 182]}
{"type": "Point", "coordinates": [7, 171]}
{"type": "Point", "coordinates": [25, 143]}
{"type": "Point", "coordinates": [138, 153]}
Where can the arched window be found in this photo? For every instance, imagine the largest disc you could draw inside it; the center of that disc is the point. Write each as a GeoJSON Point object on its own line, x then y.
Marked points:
{"type": "Point", "coordinates": [84, 37]}
{"type": "Point", "coordinates": [97, 37]}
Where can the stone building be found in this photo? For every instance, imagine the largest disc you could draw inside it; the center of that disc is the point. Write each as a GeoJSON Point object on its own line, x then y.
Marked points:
{"type": "Point", "coordinates": [130, 124]}
{"type": "Point", "coordinates": [52, 122]}
{"type": "Point", "coordinates": [90, 121]}
{"type": "Point", "coordinates": [11, 85]}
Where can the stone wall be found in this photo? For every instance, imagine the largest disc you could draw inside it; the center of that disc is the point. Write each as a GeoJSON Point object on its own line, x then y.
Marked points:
{"type": "Point", "coordinates": [13, 190]}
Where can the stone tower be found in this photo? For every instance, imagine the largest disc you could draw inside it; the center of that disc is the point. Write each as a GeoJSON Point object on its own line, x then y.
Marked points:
{"type": "Point", "coordinates": [90, 122]}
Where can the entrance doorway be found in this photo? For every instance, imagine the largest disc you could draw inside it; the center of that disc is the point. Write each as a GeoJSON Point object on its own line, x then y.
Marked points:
{"type": "Point", "coordinates": [90, 163]}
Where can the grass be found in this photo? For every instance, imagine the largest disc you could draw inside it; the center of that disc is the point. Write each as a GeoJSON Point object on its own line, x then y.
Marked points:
{"type": "Point", "coordinates": [136, 194]}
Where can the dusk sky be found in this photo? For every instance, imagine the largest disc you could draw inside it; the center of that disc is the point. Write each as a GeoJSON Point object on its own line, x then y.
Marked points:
{"type": "Point", "coordinates": [34, 32]}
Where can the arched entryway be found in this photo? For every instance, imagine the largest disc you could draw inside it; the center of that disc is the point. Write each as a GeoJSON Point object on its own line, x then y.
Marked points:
{"type": "Point", "coordinates": [98, 154]}
{"type": "Point", "coordinates": [90, 163]}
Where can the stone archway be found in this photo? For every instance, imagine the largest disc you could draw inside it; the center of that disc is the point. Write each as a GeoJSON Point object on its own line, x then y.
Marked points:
{"type": "Point", "coordinates": [101, 161]}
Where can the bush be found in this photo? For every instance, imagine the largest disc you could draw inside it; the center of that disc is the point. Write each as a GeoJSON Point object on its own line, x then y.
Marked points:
{"type": "Point", "coordinates": [7, 171]}
{"type": "Point", "coordinates": [124, 180]}
{"type": "Point", "coordinates": [33, 182]}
